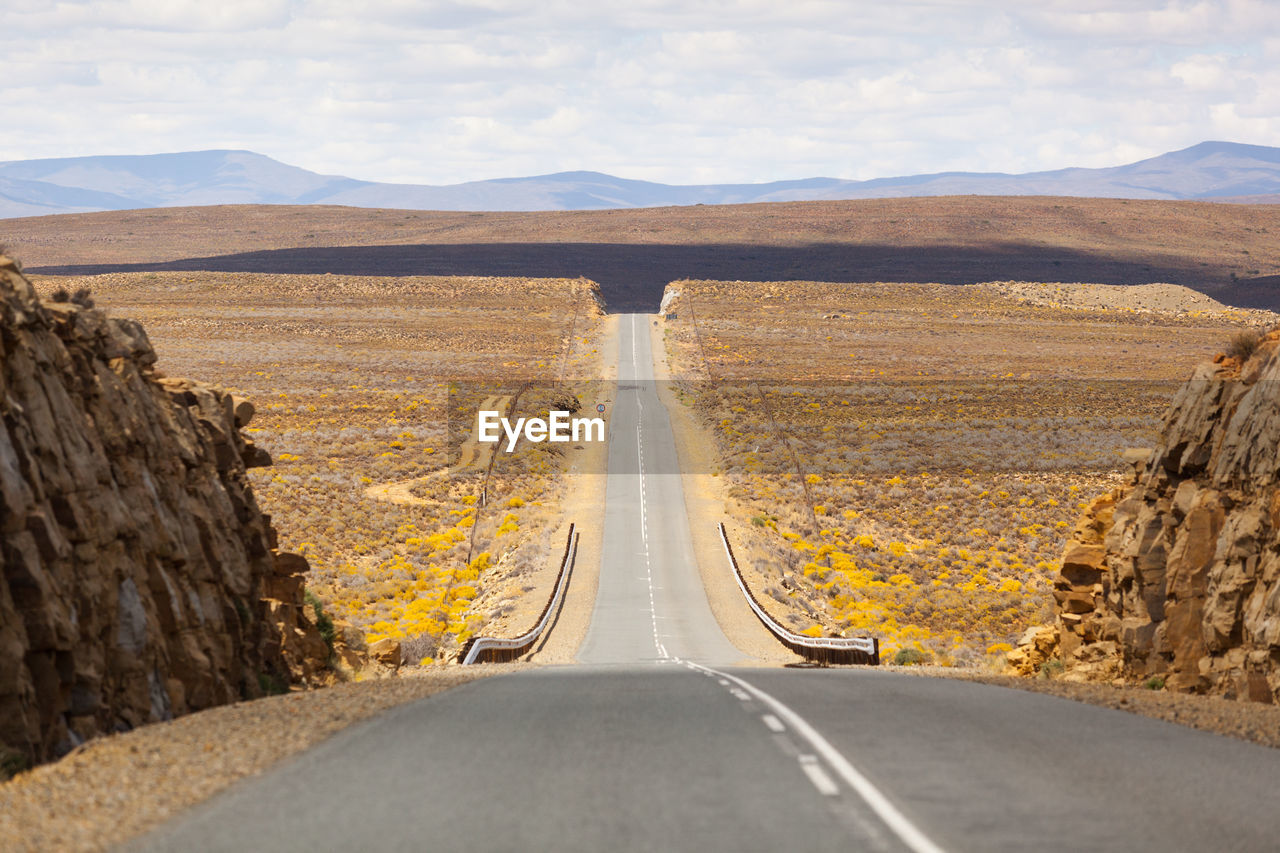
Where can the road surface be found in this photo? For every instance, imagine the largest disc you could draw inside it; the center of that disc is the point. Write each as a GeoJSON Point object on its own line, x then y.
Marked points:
{"type": "Point", "coordinates": [656, 740]}
{"type": "Point", "coordinates": [651, 604]}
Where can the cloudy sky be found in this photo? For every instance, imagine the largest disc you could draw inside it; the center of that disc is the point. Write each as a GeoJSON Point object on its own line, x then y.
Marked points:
{"type": "Point", "coordinates": [681, 92]}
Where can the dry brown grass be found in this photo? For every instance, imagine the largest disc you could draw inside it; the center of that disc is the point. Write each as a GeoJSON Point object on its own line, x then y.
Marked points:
{"type": "Point", "coordinates": [351, 377]}
{"type": "Point", "coordinates": [1218, 248]}
{"type": "Point", "coordinates": [906, 460]}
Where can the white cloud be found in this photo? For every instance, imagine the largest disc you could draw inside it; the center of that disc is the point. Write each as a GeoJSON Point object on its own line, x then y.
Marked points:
{"type": "Point", "coordinates": [723, 90]}
{"type": "Point", "coordinates": [183, 16]}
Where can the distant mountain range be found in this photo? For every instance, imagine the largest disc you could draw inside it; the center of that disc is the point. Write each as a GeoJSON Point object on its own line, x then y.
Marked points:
{"type": "Point", "coordinates": [1210, 171]}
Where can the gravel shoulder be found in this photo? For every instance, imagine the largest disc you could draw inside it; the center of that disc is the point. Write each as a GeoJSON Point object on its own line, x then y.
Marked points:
{"type": "Point", "coordinates": [708, 505]}
{"type": "Point", "coordinates": [519, 598]}
{"type": "Point", "coordinates": [115, 788]}
{"type": "Point", "coordinates": [1250, 721]}
{"type": "Point", "coordinates": [583, 504]}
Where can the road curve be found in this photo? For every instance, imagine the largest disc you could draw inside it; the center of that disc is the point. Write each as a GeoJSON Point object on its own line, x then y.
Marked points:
{"type": "Point", "coordinates": [655, 741]}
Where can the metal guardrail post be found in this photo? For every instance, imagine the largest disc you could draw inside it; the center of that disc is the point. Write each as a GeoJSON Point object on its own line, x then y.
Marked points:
{"type": "Point", "coordinates": [825, 650]}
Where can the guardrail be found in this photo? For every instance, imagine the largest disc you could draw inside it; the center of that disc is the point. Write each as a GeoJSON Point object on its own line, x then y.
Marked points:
{"type": "Point", "coordinates": [496, 649]}
{"type": "Point", "coordinates": [825, 650]}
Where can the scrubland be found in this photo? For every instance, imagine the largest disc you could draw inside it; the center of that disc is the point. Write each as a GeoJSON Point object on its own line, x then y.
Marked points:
{"type": "Point", "coordinates": [365, 390]}
{"type": "Point", "coordinates": [1225, 250]}
{"type": "Point", "coordinates": [905, 460]}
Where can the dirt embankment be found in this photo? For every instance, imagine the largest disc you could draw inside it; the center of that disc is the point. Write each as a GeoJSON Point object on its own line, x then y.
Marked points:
{"type": "Point", "coordinates": [583, 504]}
{"type": "Point", "coordinates": [589, 368]}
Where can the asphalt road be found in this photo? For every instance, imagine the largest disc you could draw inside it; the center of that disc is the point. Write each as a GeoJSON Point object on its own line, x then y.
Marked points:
{"type": "Point", "coordinates": [661, 757]}
{"type": "Point", "coordinates": [655, 741]}
{"type": "Point", "coordinates": [651, 604]}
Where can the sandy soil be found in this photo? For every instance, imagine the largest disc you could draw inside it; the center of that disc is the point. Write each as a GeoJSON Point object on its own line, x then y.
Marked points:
{"type": "Point", "coordinates": [401, 491]}
{"type": "Point", "coordinates": [118, 787]}
{"type": "Point", "coordinates": [584, 504]}
{"type": "Point", "coordinates": [708, 505]}
{"type": "Point", "coordinates": [1155, 298]}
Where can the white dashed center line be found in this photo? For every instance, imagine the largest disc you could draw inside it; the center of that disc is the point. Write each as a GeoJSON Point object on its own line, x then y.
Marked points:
{"type": "Point", "coordinates": [775, 725]}
{"type": "Point", "coordinates": [825, 756]}
{"type": "Point", "coordinates": [825, 784]}
{"type": "Point", "coordinates": [644, 512]}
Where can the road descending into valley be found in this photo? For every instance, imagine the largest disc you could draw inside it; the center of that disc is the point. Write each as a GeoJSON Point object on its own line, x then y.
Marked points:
{"type": "Point", "coordinates": [664, 736]}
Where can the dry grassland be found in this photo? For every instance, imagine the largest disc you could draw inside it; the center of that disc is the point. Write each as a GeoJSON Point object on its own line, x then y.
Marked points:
{"type": "Point", "coordinates": [355, 380]}
{"type": "Point", "coordinates": [1228, 251]}
{"type": "Point", "coordinates": [905, 460]}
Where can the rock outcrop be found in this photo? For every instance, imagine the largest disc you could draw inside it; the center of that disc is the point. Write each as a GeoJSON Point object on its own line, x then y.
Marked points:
{"type": "Point", "coordinates": [1176, 577]}
{"type": "Point", "coordinates": [138, 578]}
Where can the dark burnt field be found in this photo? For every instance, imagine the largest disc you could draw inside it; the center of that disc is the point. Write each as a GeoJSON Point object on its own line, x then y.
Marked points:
{"type": "Point", "coordinates": [1225, 251]}
{"type": "Point", "coordinates": [632, 277]}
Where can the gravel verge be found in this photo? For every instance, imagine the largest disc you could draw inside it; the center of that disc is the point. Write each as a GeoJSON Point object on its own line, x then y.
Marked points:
{"type": "Point", "coordinates": [115, 788]}
{"type": "Point", "coordinates": [1251, 721]}
{"type": "Point", "coordinates": [583, 502]}
{"type": "Point", "coordinates": [707, 504]}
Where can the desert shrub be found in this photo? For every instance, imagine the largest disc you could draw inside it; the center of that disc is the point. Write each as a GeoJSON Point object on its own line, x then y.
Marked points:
{"type": "Point", "coordinates": [1155, 682]}
{"type": "Point", "coordinates": [908, 657]}
{"type": "Point", "coordinates": [82, 297]}
{"type": "Point", "coordinates": [12, 762]}
{"type": "Point", "coordinates": [420, 648]}
{"type": "Point", "coordinates": [1244, 344]}
{"type": "Point", "coordinates": [1051, 668]}
{"type": "Point", "coordinates": [324, 624]}
{"type": "Point", "coordinates": [61, 295]}
{"type": "Point", "coordinates": [272, 685]}
{"type": "Point", "coordinates": [358, 428]}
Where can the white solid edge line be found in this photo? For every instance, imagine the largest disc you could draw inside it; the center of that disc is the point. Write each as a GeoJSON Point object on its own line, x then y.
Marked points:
{"type": "Point", "coordinates": [897, 822]}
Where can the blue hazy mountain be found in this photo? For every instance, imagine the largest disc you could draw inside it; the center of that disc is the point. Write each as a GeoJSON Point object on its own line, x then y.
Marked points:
{"type": "Point", "coordinates": [1210, 170]}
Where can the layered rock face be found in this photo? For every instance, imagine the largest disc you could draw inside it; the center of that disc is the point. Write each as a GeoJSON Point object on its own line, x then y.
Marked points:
{"type": "Point", "coordinates": [1178, 575]}
{"type": "Point", "coordinates": [139, 578]}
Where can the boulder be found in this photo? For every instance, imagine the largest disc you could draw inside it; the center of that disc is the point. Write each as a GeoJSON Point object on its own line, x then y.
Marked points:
{"type": "Point", "coordinates": [387, 652]}
{"type": "Point", "coordinates": [242, 411]}
{"type": "Point", "coordinates": [1036, 646]}
{"type": "Point", "coordinates": [1177, 574]}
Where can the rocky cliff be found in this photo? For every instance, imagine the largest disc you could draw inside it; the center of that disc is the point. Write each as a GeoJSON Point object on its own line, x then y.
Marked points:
{"type": "Point", "coordinates": [1176, 577]}
{"type": "Point", "coordinates": [138, 578]}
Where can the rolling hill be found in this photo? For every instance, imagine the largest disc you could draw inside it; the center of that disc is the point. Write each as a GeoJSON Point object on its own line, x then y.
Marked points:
{"type": "Point", "coordinates": [1226, 251]}
{"type": "Point", "coordinates": [1211, 170]}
